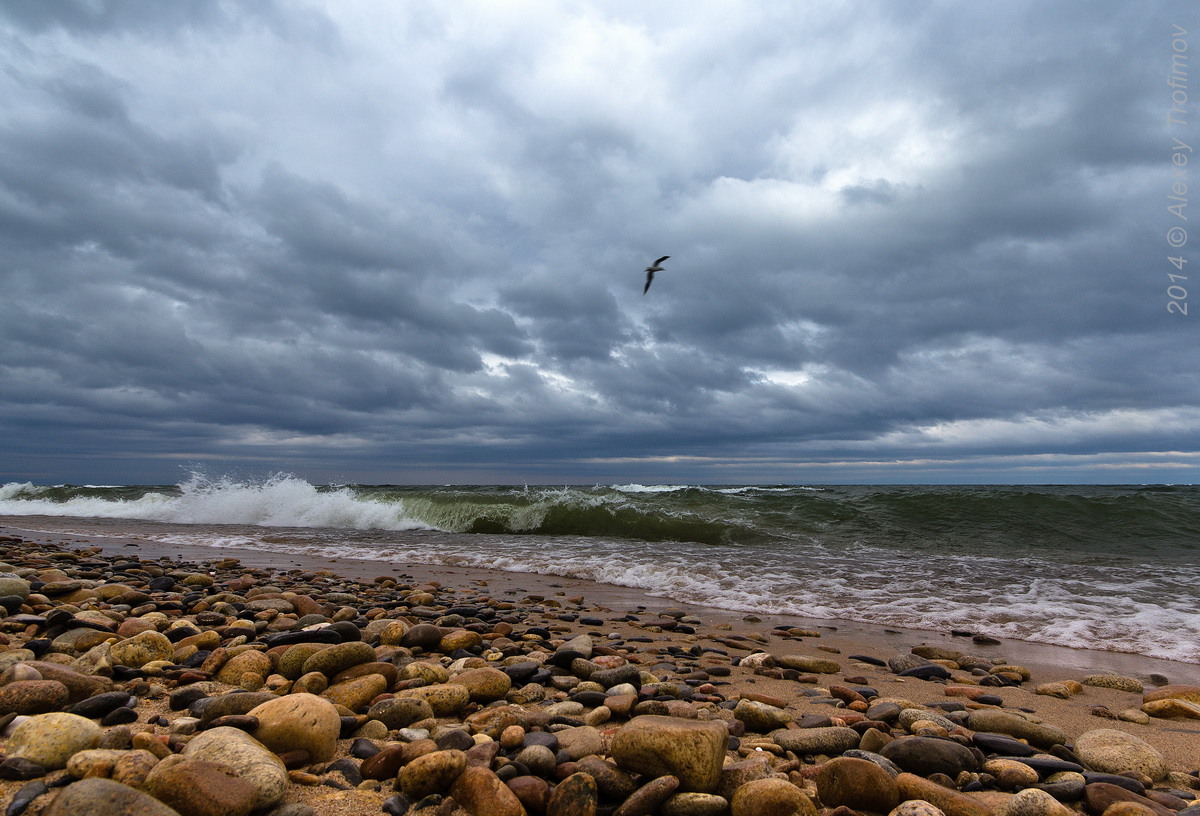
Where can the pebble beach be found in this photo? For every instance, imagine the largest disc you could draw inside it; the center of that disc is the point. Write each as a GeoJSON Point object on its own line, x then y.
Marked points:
{"type": "Point", "coordinates": [140, 680]}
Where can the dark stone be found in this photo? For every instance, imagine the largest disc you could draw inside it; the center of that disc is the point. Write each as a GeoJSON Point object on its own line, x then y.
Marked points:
{"type": "Point", "coordinates": [1070, 791]}
{"type": "Point", "coordinates": [182, 698]}
{"type": "Point", "coordinates": [348, 768]}
{"type": "Point", "coordinates": [457, 739]}
{"type": "Point", "coordinates": [608, 678]}
{"type": "Point", "coordinates": [100, 704]}
{"type": "Point", "coordinates": [563, 657]}
{"type": "Point", "coordinates": [589, 699]}
{"type": "Point", "coordinates": [235, 702]}
{"type": "Point", "coordinates": [25, 796]}
{"type": "Point", "coordinates": [541, 738]}
{"type": "Point", "coordinates": [925, 756]}
{"type": "Point", "coordinates": [348, 631]}
{"type": "Point", "coordinates": [18, 768]}
{"type": "Point", "coordinates": [1114, 779]}
{"type": "Point", "coordinates": [1045, 765]}
{"type": "Point", "coordinates": [397, 805]}
{"type": "Point", "coordinates": [1002, 745]}
{"type": "Point", "coordinates": [119, 716]}
{"type": "Point", "coordinates": [323, 635]}
{"type": "Point", "coordinates": [520, 673]}
{"type": "Point", "coordinates": [363, 748]}
{"type": "Point", "coordinates": [930, 672]}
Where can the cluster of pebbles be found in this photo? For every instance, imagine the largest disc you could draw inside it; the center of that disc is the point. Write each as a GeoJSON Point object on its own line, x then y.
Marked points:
{"type": "Point", "coordinates": [159, 687]}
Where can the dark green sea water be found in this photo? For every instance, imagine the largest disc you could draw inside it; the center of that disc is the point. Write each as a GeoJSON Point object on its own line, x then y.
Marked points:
{"type": "Point", "coordinates": [1108, 567]}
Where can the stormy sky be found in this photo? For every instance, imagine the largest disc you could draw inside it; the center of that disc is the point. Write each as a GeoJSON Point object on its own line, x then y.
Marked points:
{"type": "Point", "coordinates": [368, 241]}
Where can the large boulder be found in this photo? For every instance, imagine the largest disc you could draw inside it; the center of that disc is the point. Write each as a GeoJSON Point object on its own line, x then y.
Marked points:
{"type": "Point", "coordinates": [692, 750]}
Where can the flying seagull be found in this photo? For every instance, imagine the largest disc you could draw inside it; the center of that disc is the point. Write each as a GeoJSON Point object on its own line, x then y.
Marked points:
{"type": "Point", "coordinates": [650, 270]}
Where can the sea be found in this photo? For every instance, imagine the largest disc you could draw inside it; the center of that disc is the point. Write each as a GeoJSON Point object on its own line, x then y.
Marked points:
{"type": "Point", "coordinates": [1110, 567]}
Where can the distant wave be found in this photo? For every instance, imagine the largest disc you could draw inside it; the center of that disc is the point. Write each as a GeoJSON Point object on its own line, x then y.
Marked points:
{"type": "Point", "coordinates": [1056, 522]}
{"type": "Point", "coordinates": [1104, 567]}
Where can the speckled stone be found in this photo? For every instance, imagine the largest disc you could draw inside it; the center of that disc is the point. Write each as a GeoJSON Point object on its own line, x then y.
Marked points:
{"type": "Point", "coordinates": [103, 796]}
{"type": "Point", "coordinates": [771, 797]}
{"type": "Point", "coordinates": [431, 773]}
{"type": "Point", "coordinates": [252, 761]}
{"type": "Point", "coordinates": [1111, 751]}
{"type": "Point", "coordinates": [691, 750]}
{"type": "Point", "coordinates": [52, 739]}
{"type": "Point", "coordinates": [1042, 735]}
{"type": "Point", "coordinates": [199, 788]}
{"type": "Point", "coordinates": [298, 722]}
{"type": "Point", "coordinates": [445, 699]}
{"type": "Point", "coordinates": [33, 697]}
{"type": "Point", "coordinates": [1114, 681]}
{"type": "Point", "coordinates": [141, 649]}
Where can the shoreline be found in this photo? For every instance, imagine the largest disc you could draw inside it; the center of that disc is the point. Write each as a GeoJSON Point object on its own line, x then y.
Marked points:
{"type": "Point", "coordinates": [1043, 658]}
{"type": "Point", "coordinates": [699, 652]}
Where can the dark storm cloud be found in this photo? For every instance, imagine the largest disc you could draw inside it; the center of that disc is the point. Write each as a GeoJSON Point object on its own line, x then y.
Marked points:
{"type": "Point", "coordinates": [388, 243]}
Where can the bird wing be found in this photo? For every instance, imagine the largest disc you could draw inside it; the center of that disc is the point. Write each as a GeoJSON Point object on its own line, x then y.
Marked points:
{"type": "Point", "coordinates": [660, 260]}
{"type": "Point", "coordinates": [649, 280]}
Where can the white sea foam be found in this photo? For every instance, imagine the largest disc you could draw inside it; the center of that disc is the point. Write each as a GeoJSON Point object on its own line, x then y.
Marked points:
{"type": "Point", "coordinates": [641, 488]}
{"type": "Point", "coordinates": [1079, 608]}
{"type": "Point", "coordinates": [281, 501]}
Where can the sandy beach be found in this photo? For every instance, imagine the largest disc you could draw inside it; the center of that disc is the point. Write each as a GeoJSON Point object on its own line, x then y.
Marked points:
{"type": "Point", "coordinates": [569, 608]}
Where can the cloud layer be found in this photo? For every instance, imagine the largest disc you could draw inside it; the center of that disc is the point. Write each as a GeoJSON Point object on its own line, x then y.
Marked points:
{"type": "Point", "coordinates": [375, 242]}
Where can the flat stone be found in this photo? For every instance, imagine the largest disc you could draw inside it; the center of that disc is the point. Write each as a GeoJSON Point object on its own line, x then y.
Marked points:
{"type": "Point", "coordinates": [1173, 692]}
{"type": "Point", "coordinates": [357, 693]}
{"type": "Point", "coordinates": [646, 799]}
{"type": "Point", "coordinates": [949, 801]}
{"type": "Point", "coordinates": [812, 665]}
{"type": "Point", "coordinates": [916, 807]}
{"type": "Point", "coordinates": [1171, 708]}
{"type": "Point", "coordinates": [400, 712]}
{"type": "Point", "coordinates": [611, 781]}
{"type": "Point", "coordinates": [1002, 744]}
{"type": "Point", "coordinates": [250, 662]}
{"type": "Point", "coordinates": [691, 750]}
{"type": "Point", "coordinates": [211, 708]}
{"type": "Point", "coordinates": [101, 704]}
{"type": "Point", "coordinates": [1042, 735]}
{"type": "Point", "coordinates": [338, 658]}
{"type": "Point", "coordinates": [1034, 802]}
{"type": "Point", "coordinates": [832, 740]}
{"type": "Point", "coordinates": [1098, 797]}
{"type": "Point", "coordinates": [1114, 681]}
{"type": "Point", "coordinates": [926, 756]}
{"type": "Point", "coordinates": [81, 686]}
{"type": "Point", "coordinates": [690, 803]}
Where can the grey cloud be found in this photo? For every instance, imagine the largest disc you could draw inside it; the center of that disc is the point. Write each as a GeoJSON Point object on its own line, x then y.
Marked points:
{"type": "Point", "coordinates": [411, 243]}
